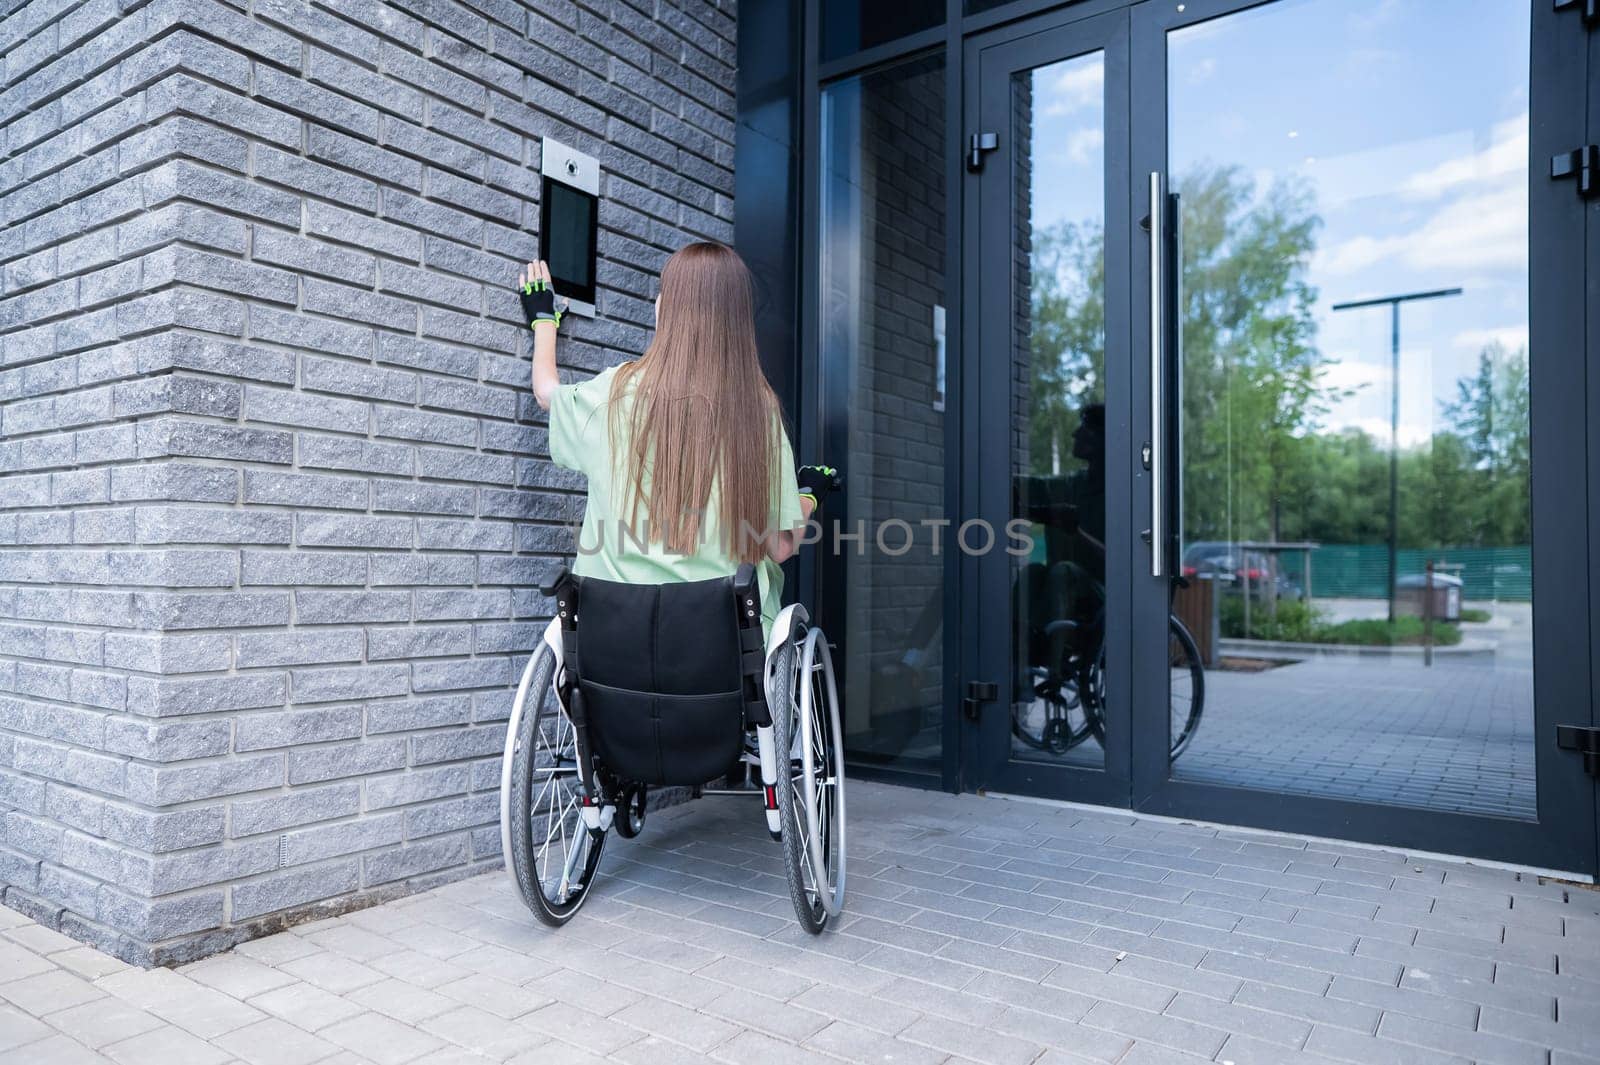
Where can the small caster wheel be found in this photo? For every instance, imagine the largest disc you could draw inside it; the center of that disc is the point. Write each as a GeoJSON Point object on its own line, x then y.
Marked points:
{"type": "Point", "coordinates": [630, 814]}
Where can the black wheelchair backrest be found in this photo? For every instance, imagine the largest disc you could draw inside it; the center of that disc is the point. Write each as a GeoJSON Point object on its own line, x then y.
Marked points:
{"type": "Point", "coordinates": [663, 674]}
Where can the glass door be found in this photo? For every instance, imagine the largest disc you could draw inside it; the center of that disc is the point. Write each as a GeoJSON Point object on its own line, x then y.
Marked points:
{"type": "Point", "coordinates": [1356, 339]}
{"type": "Point", "coordinates": [1047, 269]}
{"type": "Point", "coordinates": [880, 299]}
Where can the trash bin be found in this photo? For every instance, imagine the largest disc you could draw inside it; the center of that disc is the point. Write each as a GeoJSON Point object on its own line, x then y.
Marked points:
{"type": "Point", "coordinates": [1411, 591]}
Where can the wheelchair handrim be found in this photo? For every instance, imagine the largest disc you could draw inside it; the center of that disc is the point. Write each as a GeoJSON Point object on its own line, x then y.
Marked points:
{"type": "Point", "coordinates": [513, 730]}
{"type": "Point", "coordinates": [825, 805]}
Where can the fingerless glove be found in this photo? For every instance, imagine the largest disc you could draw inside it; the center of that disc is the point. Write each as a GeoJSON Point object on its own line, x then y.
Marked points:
{"type": "Point", "coordinates": [539, 303]}
{"type": "Point", "coordinates": [815, 481]}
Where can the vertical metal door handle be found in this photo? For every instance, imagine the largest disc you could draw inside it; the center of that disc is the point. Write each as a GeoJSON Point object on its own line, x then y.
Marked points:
{"type": "Point", "coordinates": [1158, 532]}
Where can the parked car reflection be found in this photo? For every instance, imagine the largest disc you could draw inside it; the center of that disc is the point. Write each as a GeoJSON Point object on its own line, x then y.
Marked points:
{"type": "Point", "coordinates": [1231, 567]}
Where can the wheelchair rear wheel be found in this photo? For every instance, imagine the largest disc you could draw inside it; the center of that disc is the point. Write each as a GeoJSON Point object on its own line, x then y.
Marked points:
{"type": "Point", "coordinates": [552, 851]}
{"type": "Point", "coordinates": [811, 806]}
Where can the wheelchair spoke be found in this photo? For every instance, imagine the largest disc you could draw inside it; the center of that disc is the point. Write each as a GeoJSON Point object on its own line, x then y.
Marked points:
{"type": "Point", "coordinates": [567, 848]}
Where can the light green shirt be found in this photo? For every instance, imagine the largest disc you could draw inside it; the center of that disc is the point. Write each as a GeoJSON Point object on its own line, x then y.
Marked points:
{"type": "Point", "coordinates": [580, 439]}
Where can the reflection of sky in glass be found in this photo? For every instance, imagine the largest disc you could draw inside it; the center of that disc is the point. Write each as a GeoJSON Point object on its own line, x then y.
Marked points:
{"type": "Point", "coordinates": [1068, 142]}
{"type": "Point", "coordinates": [1412, 130]}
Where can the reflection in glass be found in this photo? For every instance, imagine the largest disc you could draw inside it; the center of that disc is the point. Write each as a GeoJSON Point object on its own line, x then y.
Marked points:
{"type": "Point", "coordinates": [1304, 187]}
{"type": "Point", "coordinates": [1058, 410]}
{"type": "Point", "coordinates": [851, 25]}
{"type": "Point", "coordinates": [882, 318]}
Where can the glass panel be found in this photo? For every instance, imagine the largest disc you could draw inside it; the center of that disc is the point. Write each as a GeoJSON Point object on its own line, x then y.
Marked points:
{"type": "Point", "coordinates": [1355, 416]}
{"type": "Point", "coordinates": [851, 25]}
{"type": "Point", "coordinates": [882, 317]}
{"type": "Point", "coordinates": [1058, 409]}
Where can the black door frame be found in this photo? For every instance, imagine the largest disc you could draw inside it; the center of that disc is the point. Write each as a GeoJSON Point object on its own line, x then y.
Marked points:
{"type": "Point", "coordinates": [1590, 294]}
{"type": "Point", "coordinates": [991, 61]}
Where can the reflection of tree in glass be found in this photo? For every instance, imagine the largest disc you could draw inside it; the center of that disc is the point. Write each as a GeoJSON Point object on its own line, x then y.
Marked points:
{"type": "Point", "coordinates": [1486, 458]}
{"type": "Point", "coordinates": [1258, 462]}
{"type": "Point", "coordinates": [1252, 386]}
{"type": "Point", "coordinates": [1068, 338]}
{"type": "Point", "coordinates": [1251, 369]}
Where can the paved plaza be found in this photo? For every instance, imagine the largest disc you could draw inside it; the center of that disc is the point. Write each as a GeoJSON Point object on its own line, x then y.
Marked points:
{"type": "Point", "coordinates": [1376, 727]}
{"type": "Point", "coordinates": [1457, 736]}
{"type": "Point", "coordinates": [977, 929]}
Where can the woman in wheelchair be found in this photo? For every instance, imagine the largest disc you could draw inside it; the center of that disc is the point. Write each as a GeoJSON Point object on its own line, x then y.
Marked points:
{"type": "Point", "coordinates": [683, 664]}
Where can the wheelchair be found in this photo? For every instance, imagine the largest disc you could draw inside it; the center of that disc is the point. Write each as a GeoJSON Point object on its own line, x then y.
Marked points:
{"type": "Point", "coordinates": [670, 685]}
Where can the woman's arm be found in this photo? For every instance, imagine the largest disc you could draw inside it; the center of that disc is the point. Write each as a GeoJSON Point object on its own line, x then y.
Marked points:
{"type": "Point", "coordinates": [538, 305]}
{"type": "Point", "coordinates": [813, 482]}
{"type": "Point", "coordinates": [781, 546]}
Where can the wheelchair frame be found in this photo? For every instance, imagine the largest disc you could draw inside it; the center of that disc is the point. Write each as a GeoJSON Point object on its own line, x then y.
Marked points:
{"type": "Point", "coordinates": [798, 753]}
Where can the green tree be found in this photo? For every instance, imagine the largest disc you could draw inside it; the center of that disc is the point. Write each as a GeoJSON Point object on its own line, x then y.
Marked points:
{"type": "Point", "coordinates": [1343, 495]}
{"type": "Point", "coordinates": [1066, 341]}
{"type": "Point", "coordinates": [1440, 505]}
{"type": "Point", "coordinates": [1492, 418]}
{"type": "Point", "coordinates": [1252, 373]}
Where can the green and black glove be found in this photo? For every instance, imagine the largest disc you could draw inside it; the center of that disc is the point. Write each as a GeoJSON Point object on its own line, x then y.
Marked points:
{"type": "Point", "coordinates": [817, 481]}
{"type": "Point", "coordinates": [539, 303]}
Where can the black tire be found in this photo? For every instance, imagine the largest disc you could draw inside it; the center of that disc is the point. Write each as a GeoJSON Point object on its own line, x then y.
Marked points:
{"type": "Point", "coordinates": [1185, 705]}
{"type": "Point", "coordinates": [1092, 694]}
{"type": "Point", "coordinates": [785, 715]}
{"type": "Point", "coordinates": [1056, 733]}
{"type": "Point", "coordinates": [1183, 659]}
{"type": "Point", "coordinates": [629, 821]}
{"type": "Point", "coordinates": [544, 810]}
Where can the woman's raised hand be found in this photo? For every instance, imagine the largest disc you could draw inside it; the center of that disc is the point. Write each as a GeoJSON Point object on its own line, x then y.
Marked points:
{"type": "Point", "coordinates": [538, 298]}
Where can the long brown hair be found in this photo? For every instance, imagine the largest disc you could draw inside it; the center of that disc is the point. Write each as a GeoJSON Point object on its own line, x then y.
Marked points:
{"type": "Point", "coordinates": [702, 412]}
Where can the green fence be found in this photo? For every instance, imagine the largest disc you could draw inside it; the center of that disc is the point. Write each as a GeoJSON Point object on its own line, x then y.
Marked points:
{"type": "Point", "coordinates": [1361, 571]}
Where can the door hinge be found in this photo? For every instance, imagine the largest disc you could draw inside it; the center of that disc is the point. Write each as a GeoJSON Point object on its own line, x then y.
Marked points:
{"type": "Point", "coordinates": [977, 145]}
{"type": "Point", "coordinates": [1590, 9]}
{"type": "Point", "coordinates": [978, 693]}
{"type": "Point", "coordinates": [1586, 741]}
{"type": "Point", "coordinates": [1582, 164]}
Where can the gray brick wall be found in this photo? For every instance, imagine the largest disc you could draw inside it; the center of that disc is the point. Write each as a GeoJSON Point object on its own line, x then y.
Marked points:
{"type": "Point", "coordinates": [273, 492]}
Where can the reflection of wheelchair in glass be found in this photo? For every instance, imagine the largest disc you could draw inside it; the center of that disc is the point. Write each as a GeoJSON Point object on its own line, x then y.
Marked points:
{"type": "Point", "coordinates": [673, 685]}
{"type": "Point", "coordinates": [1061, 698]}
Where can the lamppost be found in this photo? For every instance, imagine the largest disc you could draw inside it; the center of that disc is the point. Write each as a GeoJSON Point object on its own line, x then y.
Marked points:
{"type": "Point", "coordinates": [1394, 303]}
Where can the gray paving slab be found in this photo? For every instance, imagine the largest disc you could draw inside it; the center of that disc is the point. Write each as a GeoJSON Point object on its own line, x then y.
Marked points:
{"type": "Point", "coordinates": [1111, 939]}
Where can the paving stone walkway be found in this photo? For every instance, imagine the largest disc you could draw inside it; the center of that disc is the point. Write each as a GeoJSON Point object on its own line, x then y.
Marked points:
{"type": "Point", "coordinates": [977, 929]}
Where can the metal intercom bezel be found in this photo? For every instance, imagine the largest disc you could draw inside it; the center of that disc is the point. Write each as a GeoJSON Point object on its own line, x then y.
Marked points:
{"type": "Point", "coordinates": [567, 166]}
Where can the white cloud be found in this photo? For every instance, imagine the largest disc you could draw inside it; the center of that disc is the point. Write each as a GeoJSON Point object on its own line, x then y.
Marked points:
{"type": "Point", "coordinates": [1080, 85]}
{"type": "Point", "coordinates": [1485, 230]}
{"type": "Point", "coordinates": [1373, 18]}
{"type": "Point", "coordinates": [1411, 435]}
{"type": "Point", "coordinates": [1506, 153]}
{"type": "Point", "coordinates": [1084, 145]}
{"type": "Point", "coordinates": [1475, 340]}
{"type": "Point", "coordinates": [1354, 375]}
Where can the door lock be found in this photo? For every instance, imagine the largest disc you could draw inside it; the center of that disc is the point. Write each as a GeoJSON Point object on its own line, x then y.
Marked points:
{"type": "Point", "coordinates": [1145, 454]}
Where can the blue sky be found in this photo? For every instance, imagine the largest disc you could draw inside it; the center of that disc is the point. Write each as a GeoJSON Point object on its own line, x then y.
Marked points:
{"type": "Point", "coordinates": [1411, 127]}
